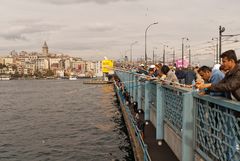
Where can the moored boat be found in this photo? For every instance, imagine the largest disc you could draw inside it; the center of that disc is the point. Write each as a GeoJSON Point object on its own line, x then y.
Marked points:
{"type": "Point", "coordinates": [5, 77]}
{"type": "Point", "coordinates": [73, 78]}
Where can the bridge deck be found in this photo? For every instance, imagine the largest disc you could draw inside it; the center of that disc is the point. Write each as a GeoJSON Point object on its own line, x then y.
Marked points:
{"type": "Point", "coordinates": [157, 153]}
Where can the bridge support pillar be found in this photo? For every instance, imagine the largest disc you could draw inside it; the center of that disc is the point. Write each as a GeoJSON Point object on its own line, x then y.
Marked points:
{"type": "Point", "coordinates": [160, 113]}
{"type": "Point", "coordinates": [139, 95]}
{"type": "Point", "coordinates": [135, 88]}
{"type": "Point", "coordinates": [130, 85]}
{"type": "Point", "coordinates": [188, 127]}
{"type": "Point", "coordinates": [147, 99]}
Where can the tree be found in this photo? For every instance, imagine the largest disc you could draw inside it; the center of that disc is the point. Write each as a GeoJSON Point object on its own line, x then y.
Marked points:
{"type": "Point", "coordinates": [67, 74]}
{"type": "Point", "coordinates": [16, 75]}
{"type": "Point", "coordinates": [38, 74]}
{"type": "Point", "coordinates": [14, 67]}
{"type": "Point", "coordinates": [2, 66]}
{"type": "Point", "coordinates": [49, 73]}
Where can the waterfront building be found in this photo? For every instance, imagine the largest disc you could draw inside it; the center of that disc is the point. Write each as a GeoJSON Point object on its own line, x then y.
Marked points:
{"type": "Point", "coordinates": [42, 63]}
{"type": "Point", "coordinates": [1, 60]}
{"type": "Point", "coordinates": [29, 63]}
{"type": "Point", "coordinates": [20, 69]}
{"type": "Point", "coordinates": [67, 64]}
{"type": "Point", "coordinates": [30, 68]}
{"type": "Point", "coordinates": [98, 69]}
{"type": "Point", "coordinates": [8, 60]}
{"type": "Point", "coordinates": [79, 67]}
{"type": "Point", "coordinates": [32, 56]}
{"type": "Point", "coordinates": [90, 66]}
{"type": "Point", "coordinates": [54, 62]}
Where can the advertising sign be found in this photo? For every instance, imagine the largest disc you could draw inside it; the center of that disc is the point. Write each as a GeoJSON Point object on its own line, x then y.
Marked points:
{"type": "Point", "coordinates": [107, 66]}
{"type": "Point", "coordinates": [179, 63]}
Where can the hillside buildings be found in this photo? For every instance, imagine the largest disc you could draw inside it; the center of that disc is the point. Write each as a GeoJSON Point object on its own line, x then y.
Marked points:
{"type": "Point", "coordinates": [47, 64]}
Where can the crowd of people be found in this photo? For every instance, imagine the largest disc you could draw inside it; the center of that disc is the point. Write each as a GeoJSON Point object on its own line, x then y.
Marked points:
{"type": "Point", "coordinates": [221, 80]}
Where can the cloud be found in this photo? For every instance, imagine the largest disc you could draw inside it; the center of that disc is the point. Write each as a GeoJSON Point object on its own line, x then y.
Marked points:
{"type": "Point", "coordinates": [81, 46]}
{"type": "Point", "coordinates": [14, 36]}
{"type": "Point", "coordinates": [100, 27]}
{"type": "Point", "coordinates": [66, 2]}
{"type": "Point", "coordinates": [21, 32]}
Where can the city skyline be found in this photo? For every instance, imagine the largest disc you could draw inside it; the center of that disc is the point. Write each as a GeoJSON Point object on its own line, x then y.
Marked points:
{"type": "Point", "coordinates": [92, 29]}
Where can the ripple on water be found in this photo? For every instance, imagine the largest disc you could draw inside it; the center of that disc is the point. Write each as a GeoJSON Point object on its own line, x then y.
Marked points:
{"type": "Point", "coordinates": [60, 120]}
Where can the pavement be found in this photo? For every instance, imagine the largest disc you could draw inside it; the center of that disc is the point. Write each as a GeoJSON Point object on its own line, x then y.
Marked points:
{"type": "Point", "coordinates": [156, 152]}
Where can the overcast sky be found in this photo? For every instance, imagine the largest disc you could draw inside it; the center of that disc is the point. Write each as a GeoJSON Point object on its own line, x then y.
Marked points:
{"type": "Point", "coordinates": [92, 29]}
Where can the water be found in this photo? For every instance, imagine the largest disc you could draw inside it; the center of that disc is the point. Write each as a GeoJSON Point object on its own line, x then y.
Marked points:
{"type": "Point", "coordinates": [60, 120]}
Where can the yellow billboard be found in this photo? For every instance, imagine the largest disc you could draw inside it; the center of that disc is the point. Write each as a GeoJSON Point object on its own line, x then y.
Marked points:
{"type": "Point", "coordinates": [107, 66]}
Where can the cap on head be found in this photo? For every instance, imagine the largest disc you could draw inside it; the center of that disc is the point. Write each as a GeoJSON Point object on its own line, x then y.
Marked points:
{"type": "Point", "coordinates": [152, 66]}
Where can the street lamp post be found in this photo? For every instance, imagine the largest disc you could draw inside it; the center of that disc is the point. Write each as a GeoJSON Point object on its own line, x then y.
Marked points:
{"type": "Point", "coordinates": [131, 45]}
{"type": "Point", "coordinates": [164, 54]}
{"type": "Point", "coordinates": [126, 58]}
{"type": "Point", "coordinates": [146, 41]}
{"type": "Point", "coordinates": [173, 55]}
{"type": "Point", "coordinates": [189, 56]}
{"type": "Point", "coordinates": [221, 30]}
{"type": "Point", "coordinates": [216, 57]}
{"type": "Point", "coordinates": [184, 38]}
{"type": "Point", "coordinates": [153, 59]}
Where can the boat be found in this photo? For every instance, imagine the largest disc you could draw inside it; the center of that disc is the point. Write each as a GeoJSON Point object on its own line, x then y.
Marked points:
{"type": "Point", "coordinates": [5, 77]}
{"type": "Point", "coordinates": [51, 77]}
{"type": "Point", "coordinates": [73, 77]}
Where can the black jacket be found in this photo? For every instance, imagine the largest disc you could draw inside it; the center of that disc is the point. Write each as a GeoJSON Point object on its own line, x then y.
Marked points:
{"type": "Point", "coordinates": [230, 83]}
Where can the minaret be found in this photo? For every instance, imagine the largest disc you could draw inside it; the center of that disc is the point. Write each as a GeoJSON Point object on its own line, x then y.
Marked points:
{"type": "Point", "coordinates": [45, 48]}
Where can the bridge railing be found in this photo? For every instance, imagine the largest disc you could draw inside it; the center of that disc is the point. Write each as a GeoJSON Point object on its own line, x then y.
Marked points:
{"type": "Point", "coordinates": [128, 85]}
{"type": "Point", "coordinates": [195, 127]}
{"type": "Point", "coordinates": [142, 93]}
{"type": "Point", "coordinates": [217, 128]}
{"type": "Point", "coordinates": [173, 106]}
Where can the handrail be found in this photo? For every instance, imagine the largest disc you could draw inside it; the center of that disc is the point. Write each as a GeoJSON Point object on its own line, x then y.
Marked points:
{"type": "Point", "coordinates": [233, 105]}
{"type": "Point", "coordinates": [138, 132]}
{"type": "Point", "coordinates": [217, 120]}
{"type": "Point", "coordinates": [136, 129]}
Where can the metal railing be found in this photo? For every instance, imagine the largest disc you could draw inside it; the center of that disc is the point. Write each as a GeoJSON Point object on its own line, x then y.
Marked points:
{"type": "Point", "coordinates": [217, 125]}
{"type": "Point", "coordinates": [136, 129]}
{"type": "Point", "coordinates": [173, 106]}
{"type": "Point", "coordinates": [208, 127]}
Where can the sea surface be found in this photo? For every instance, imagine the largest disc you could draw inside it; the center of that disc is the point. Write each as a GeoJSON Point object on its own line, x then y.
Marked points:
{"type": "Point", "coordinates": [60, 120]}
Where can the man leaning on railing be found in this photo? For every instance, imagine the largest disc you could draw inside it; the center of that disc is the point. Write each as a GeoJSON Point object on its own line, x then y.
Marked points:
{"type": "Point", "coordinates": [212, 76]}
{"type": "Point", "coordinates": [231, 82]}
